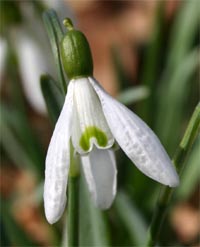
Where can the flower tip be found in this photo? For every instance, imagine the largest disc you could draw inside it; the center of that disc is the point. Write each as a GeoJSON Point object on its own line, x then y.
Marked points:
{"type": "Point", "coordinates": [172, 180]}
{"type": "Point", "coordinates": [53, 214]}
{"type": "Point", "coordinates": [50, 221]}
{"type": "Point", "coordinates": [103, 204]}
{"type": "Point", "coordinates": [68, 24]}
{"type": "Point", "coordinates": [103, 207]}
{"type": "Point", "coordinates": [51, 218]}
{"type": "Point", "coordinates": [175, 182]}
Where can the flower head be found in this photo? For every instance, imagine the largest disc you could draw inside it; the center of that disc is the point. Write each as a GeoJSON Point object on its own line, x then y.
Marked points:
{"type": "Point", "coordinates": [93, 121]}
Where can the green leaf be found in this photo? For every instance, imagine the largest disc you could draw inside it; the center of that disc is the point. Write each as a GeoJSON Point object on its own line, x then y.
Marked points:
{"type": "Point", "coordinates": [13, 147]}
{"type": "Point", "coordinates": [133, 94]}
{"type": "Point", "coordinates": [55, 34]}
{"type": "Point", "coordinates": [188, 139]}
{"type": "Point", "coordinates": [92, 221]}
{"type": "Point", "coordinates": [174, 99]}
{"type": "Point", "coordinates": [131, 218]}
{"type": "Point", "coordinates": [19, 140]}
{"type": "Point", "coordinates": [54, 99]}
{"type": "Point", "coordinates": [153, 61]}
{"type": "Point", "coordinates": [183, 33]}
{"type": "Point", "coordinates": [166, 192]}
{"type": "Point", "coordinates": [180, 66]}
{"type": "Point", "coordinates": [191, 174]}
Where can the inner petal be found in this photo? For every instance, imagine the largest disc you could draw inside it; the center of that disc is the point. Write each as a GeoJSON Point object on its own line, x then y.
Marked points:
{"type": "Point", "coordinates": [89, 123]}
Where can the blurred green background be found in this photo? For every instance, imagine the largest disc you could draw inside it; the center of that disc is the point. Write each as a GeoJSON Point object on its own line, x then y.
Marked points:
{"type": "Point", "coordinates": [146, 54]}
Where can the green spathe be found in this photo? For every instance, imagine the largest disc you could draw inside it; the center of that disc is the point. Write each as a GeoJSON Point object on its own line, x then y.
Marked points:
{"type": "Point", "coordinates": [95, 132]}
{"type": "Point", "coordinates": [75, 53]}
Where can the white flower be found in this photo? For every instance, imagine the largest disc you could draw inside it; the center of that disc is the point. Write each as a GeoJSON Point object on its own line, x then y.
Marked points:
{"type": "Point", "coordinates": [92, 120]}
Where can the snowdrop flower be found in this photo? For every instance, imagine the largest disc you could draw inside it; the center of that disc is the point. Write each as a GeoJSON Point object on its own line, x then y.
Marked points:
{"type": "Point", "coordinates": [93, 121]}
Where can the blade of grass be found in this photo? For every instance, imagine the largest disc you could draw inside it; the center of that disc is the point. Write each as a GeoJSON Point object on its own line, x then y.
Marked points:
{"type": "Point", "coordinates": [152, 63]}
{"type": "Point", "coordinates": [93, 226]}
{"type": "Point", "coordinates": [14, 149]}
{"type": "Point", "coordinates": [131, 218]}
{"type": "Point", "coordinates": [133, 94]}
{"type": "Point", "coordinates": [22, 137]}
{"type": "Point", "coordinates": [176, 95]}
{"type": "Point", "coordinates": [53, 97]}
{"type": "Point", "coordinates": [55, 35]}
{"type": "Point", "coordinates": [166, 193]}
{"type": "Point", "coordinates": [183, 34]}
{"type": "Point", "coordinates": [191, 174]}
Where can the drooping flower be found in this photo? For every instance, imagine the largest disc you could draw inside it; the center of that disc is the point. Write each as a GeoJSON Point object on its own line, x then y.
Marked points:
{"type": "Point", "coordinates": [93, 121]}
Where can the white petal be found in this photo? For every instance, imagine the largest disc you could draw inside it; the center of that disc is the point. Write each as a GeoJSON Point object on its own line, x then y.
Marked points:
{"type": "Point", "coordinates": [137, 140]}
{"type": "Point", "coordinates": [101, 174]}
{"type": "Point", "coordinates": [89, 123]}
{"type": "Point", "coordinates": [32, 64]}
{"type": "Point", "coordinates": [57, 162]}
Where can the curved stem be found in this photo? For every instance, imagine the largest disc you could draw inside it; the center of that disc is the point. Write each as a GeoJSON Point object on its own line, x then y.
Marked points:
{"type": "Point", "coordinates": [166, 192]}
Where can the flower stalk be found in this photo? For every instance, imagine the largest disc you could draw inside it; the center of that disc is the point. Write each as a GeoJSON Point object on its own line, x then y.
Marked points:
{"type": "Point", "coordinates": [166, 192]}
{"type": "Point", "coordinates": [73, 205]}
{"type": "Point", "coordinates": [73, 200]}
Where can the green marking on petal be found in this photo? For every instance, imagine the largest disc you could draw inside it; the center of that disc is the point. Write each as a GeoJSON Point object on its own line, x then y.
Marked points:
{"type": "Point", "coordinates": [95, 132]}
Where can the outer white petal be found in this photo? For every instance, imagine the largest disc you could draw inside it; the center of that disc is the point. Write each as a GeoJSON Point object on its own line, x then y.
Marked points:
{"type": "Point", "coordinates": [137, 140]}
{"type": "Point", "coordinates": [32, 64]}
{"type": "Point", "coordinates": [101, 174]}
{"type": "Point", "coordinates": [57, 162]}
{"type": "Point", "coordinates": [88, 114]}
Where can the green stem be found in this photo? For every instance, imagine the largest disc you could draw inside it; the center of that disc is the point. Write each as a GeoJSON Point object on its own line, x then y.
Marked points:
{"type": "Point", "coordinates": [73, 200]}
{"type": "Point", "coordinates": [73, 211]}
{"type": "Point", "coordinates": [166, 192]}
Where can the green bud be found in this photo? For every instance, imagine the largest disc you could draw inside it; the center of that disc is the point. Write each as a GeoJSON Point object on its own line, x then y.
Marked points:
{"type": "Point", "coordinates": [75, 53]}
